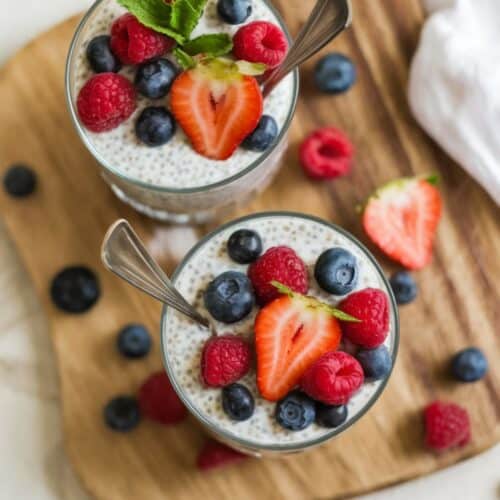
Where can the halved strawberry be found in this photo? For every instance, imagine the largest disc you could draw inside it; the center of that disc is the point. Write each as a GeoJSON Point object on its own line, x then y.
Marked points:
{"type": "Point", "coordinates": [402, 217]}
{"type": "Point", "coordinates": [291, 333]}
{"type": "Point", "coordinates": [217, 106]}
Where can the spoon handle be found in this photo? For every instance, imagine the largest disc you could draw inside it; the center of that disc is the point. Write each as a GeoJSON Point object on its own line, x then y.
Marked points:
{"type": "Point", "coordinates": [327, 19]}
{"type": "Point", "coordinates": [124, 254]}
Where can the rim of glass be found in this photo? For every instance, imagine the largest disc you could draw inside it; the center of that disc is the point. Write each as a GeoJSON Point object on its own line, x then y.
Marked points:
{"type": "Point", "coordinates": [283, 446]}
{"type": "Point", "coordinates": [163, 189]}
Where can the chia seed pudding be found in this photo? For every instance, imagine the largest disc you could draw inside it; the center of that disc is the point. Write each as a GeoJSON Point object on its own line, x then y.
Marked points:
{"type": "Point", "coordinates": [183, 340]}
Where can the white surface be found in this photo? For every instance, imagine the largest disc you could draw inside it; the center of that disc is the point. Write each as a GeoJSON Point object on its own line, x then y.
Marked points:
{"type": "Point", "coordinates": [32, 462]}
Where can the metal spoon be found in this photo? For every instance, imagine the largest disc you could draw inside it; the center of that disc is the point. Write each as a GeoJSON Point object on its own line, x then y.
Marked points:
{"type": "Point", "coordinates": [124, 254]}
{"type": "Point", "coordinates": [327, 19]}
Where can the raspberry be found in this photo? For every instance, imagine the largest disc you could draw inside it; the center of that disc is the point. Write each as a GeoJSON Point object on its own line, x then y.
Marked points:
{"type": "Point", "coordinates": [333, 378]}
{"type": "Point", "coordinates": [280, 264]}
{"type": "Point", "coordinates": [224, 360]}
{"type": "Point", "coordinates": [446, 425]}
{"type": "Point", "coordinates": [105, 101]}
{"type": "Point", "coordinates": [372, 308]}
{"type": "Point", "coordinates": [215, 454]}
{"type": "Point", "coordinates": [326, 153]}
{"type": "Point", "coordinates": [260, 42]}
{"type": "Point", "coordinates": [159, 401]}
{"type": "Point", "coordinates": [134, 43]}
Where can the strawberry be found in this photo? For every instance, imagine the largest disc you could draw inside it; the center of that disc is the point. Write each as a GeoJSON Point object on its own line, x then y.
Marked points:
{"type": "Point", "coordinates": [217, 106]}
{"type": "Point", "coordinates": [401, 218]}
{"type": "Point", "coordinates": [291, 333]}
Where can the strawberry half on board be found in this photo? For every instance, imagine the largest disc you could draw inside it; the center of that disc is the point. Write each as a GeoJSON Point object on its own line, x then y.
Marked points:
{"type": "Point", "coordinates": [401, 218]}
{"type": "Point", "coordinates": [217, 103]}
{"type": "Point", "coordinates": [291, 333]}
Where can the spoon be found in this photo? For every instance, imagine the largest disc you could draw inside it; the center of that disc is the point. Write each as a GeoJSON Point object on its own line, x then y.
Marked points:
{"type": "Point", "coordinates": [327, 19]}
{"type": "Point", "coordinates": [124, 254]}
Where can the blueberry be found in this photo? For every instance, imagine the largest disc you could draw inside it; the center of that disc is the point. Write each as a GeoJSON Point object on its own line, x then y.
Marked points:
{"type": "Point", "coordinates": [334, 73]}
{"type": "Point", "coordinates": [263, 135]}
{"type": "Point", "coordinates": [134, 341]}
{"type": "Point", "coordinates": [100, 56]}
{"type": "Point", "coordinates": [404, 287]}
{"type": "Point", "coordinates": [469, 365]}
{"type": "Point", "coordinates": [376, 363]}
{"type": "Point", "coordinates": [155, 126]}
{"type": "Point", "coordinates": [295, 411]}
{"type": "Point", "coordinates": [229, 297]}
{"type": "Point", "coordinates": [237, 402]}
{"type": "Point", "coordinates": [75, 289]}
{"type": "Point", "coordinates": [330, 416]}
{"type": "Point", "coordinates": [336, 271]}
{"type": "Point", "coordinates": [154, 79]}
{"type": "Point", "coordinates": [122, 413]}
{"type": "Point", "coordinates": [244, 246]}
{"type": "Point", "coordinates": [19, 181]}
{"type": "Point", "coordinates": [234, 11]}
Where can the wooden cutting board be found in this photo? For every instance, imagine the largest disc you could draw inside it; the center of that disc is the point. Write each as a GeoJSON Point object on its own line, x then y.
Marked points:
{"type": "Point", "coordinates": [64, 221]}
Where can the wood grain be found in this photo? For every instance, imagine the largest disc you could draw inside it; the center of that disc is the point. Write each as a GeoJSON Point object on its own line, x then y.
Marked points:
{"type": "Point", "coordinates": [63, 223]}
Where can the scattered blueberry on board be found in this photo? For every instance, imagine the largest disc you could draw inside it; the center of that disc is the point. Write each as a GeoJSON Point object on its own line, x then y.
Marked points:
{"type": "Point", "coordinates": [404, 287]}
{"type": "Point", "coordinates": [295, 411]}
{"type": "Point", "coordinates": [229, 297]}
{"type": "Point", "coordinates": [330, 416]}
{"type": "Point", "coordinates": [134, 341]}
{"type": "Point", "coordinates": [244, 246]}
{"type": "Point", "coordinates": [155, 126]}
{"type": "Point", "coordinates": [154, 79]}
{"type": "Point", "coordinates": [336, 271]}
{"type": "Point", "coordinates": [263, 136]}
{"type": "Point", "coordinates": [75, 289]}
{"type": "Point", "coordinates": [122, 413]}
{"type": "Point", "coordinates": [19, 181]}
{"type": "Point", "coordinates": [376, 363]}
{"type": "Point", "coordinates": [469, 365]}
{"type": "Point", "coordinates": [237, 402]}
{"type": "Point", "coordinates": [100, 56]}
{"type": "Point", "coordinates": [334, 73]}
{"type": "Point", "coordinates": [234, 11]}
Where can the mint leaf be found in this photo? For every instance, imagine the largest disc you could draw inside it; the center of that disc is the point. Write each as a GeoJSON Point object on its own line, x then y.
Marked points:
{"type": "Point", "coordinates": [432, 179]}
{"type": "Point", "coordinates": [185, 60]}
{"type": "Point", "coordinates": [185, 16]}
{"type": "Point", "coordinates": [216, 44]}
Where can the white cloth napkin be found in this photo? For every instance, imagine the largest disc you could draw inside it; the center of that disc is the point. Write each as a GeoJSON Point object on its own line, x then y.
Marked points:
{"type": "Point", "coordinates": [454, 87]}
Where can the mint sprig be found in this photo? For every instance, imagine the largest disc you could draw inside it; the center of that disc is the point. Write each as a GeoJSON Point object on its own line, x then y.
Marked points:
{"type": "Point", "coordinates": [213, 45]}
{"type": "Point", "coordinates": [184, 60]}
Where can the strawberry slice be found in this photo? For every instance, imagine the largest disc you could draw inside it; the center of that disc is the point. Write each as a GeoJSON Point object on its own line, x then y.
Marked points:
{"type": "Point", "coordinates": [402, 217]}
{"type": "Point", "coordinates": [291, 333]}
{"type": "Point", "coordinates": [217, 106]}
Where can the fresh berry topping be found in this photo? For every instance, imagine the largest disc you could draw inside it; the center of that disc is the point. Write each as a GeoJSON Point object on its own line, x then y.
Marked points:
{"type": "Point", "coordinates": [336, 271]}
{"type": "Point", "coordinates": [75, 289]}
{"type": "Point", "coordinates": [295, 411]}
{"type": "Point", "coordinates": [280, 264]}
{"type": "Point", "coordinates": [330, 416]}
{"type": "Point", "coordinates": [402, 217]}
{"type": "Point", "coordinates": [154, 79]}
{"type": "Point", "coordinates": [159, 401]}
{"type": "Point", "coordinates": [326, 153]}
{"type": "Point", "coordinates": [155, 126]}
{"type": "Point", "coordinates": [291, 333]}
{"type": "Point", "coordinates": [469, 365]}
{"type": "Point", "coordinates": [404, 287]}
{"type": "Point", "coordinates": [334, 73]}
{"type": "Point", "coordinates": [134, 43]}
{"type": "Point", "coordinates": [100, 56]}
{"type": "Point", "coordinates": [234, 11]}
{"type": "Point", "coordinates": [134, 341]}
{"type": "Point", "coordinates": [263, 136]}
{"type": "Point", "coordinates": [376, 363]}
{"type": "Point", "coordinates": [228, 107]}
{"type": "Point", "coordinates": [333, 378]}
{"type": "Point", "coordinates": [237, 402]}
{"type": "Point", "coordinates": [371, 307]}
{"type": "Point", "coordinates": [224, 360]}
{"type": "Point", "coordinates": [229, 297]}
{"type": "Point", "coordinates": [215, 454]}
{"type": "Point", "coordinates": [19, 181]}
{"type": "Point", "coordinates": [122, 413]}
{"type": "Point", "coordinates": [262, 42]}
{"type": "Point", "coordinates": [446, 425]}
{"type": "Point", "coordinates": [244, 246]}
{"type": "Point", "coordinates": [105, 101]}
